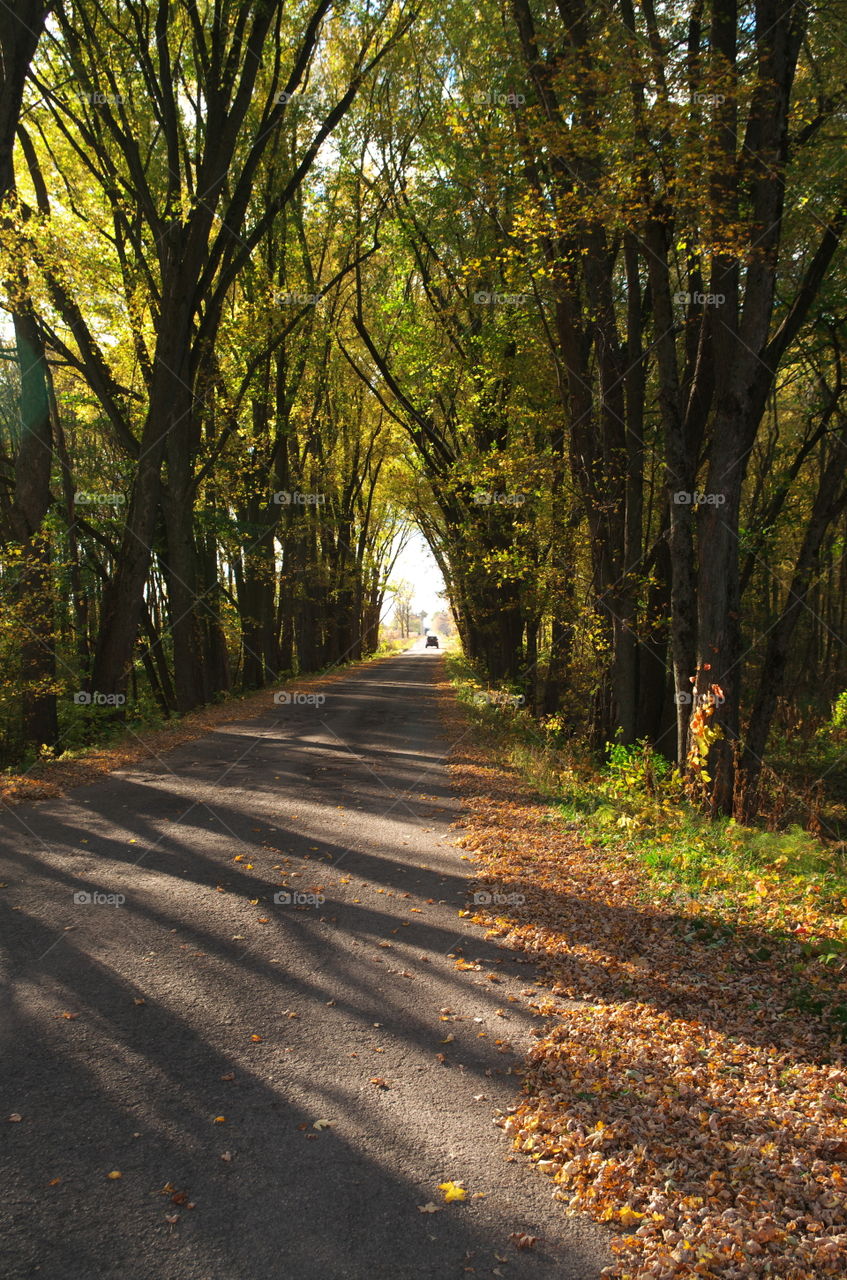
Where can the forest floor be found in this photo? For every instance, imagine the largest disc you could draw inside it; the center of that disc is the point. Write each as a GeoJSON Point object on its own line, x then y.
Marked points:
{"type": "Point", "coordinates": [205, 1081]}
{"type": "Point", "coordinates": [678, 1091]}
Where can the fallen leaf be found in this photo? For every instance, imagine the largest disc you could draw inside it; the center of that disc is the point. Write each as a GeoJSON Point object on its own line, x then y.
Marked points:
{"type": "Point", "coordinates": [452, 1191]}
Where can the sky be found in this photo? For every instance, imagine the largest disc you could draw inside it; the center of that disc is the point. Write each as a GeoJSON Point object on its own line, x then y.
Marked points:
{"type": "Point", "coordinates": [416, 564]}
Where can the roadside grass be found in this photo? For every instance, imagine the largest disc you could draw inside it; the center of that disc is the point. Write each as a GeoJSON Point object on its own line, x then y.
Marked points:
{"type": "Point", "coordinates": [791, 883]}
{"type": "Point", "coordinates": [689, 1085]}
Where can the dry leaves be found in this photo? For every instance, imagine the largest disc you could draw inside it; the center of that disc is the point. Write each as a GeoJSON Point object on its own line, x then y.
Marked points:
{"type": "Point", "coordinates": [684, 1099]}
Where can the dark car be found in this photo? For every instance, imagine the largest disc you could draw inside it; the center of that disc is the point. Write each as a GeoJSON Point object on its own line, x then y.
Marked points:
{"type": "Point", "coordinates": [432, 642]}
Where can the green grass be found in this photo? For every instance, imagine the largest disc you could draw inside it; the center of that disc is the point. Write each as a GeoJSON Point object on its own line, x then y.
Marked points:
{"type": "Point", "coordinates": [635, 806]}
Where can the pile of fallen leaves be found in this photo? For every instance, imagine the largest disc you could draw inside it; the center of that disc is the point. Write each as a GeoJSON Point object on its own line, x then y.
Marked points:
{"type": "Point", "coordinates": [677, 1094]}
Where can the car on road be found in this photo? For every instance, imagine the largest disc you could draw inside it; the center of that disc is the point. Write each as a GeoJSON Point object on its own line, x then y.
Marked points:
{"type": "Point", "coordinates": [431, 642]}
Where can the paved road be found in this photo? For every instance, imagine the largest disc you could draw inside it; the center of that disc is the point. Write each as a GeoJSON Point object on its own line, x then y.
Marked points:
{"type": "Point", "coordinates": [129, 1030]}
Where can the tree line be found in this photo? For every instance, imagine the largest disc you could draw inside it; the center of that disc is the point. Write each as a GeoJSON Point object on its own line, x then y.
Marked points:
{"type": "Point", "coordinates": [562, 284]}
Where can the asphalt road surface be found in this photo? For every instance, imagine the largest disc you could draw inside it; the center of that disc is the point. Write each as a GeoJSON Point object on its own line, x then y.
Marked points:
{"type": "Point", "coordinates": [193, 1037]}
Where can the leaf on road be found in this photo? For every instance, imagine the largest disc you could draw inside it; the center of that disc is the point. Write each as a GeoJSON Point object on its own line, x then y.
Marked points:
{"type": "Point", "coordinates": [452, 1191]}
{"type": "Point", "coordinates": [429, 1208]}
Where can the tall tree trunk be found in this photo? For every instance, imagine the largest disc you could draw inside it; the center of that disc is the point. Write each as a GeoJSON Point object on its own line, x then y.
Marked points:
{"type": "Point", "coordinates": [829, 503]}
{"type": "Point", "coordinates": [29, 507]}
{"type": "Point", "coordinates": [170, 401]}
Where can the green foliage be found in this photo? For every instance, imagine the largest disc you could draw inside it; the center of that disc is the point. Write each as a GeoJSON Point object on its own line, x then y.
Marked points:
{"type": "Point", "coordinates": [839, 712]}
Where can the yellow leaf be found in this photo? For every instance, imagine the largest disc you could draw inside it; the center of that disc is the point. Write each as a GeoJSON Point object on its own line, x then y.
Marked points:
{"type": "Point", "coordinates": [452, 1191]}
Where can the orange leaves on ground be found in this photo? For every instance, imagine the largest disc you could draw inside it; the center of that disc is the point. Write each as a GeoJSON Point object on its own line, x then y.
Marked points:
{"type": "Point", "coordinates": [683, 1099]}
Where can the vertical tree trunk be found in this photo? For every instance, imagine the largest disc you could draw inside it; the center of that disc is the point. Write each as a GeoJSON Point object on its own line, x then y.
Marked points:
{"type": "Point", "coordinates": [29, 507]}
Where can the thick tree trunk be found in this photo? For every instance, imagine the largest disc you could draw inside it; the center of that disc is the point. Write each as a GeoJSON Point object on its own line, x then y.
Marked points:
{"type": "Point", "coordinates": [184, 605]}
{"type": "Point", "coordinates": [29, 507]}
{"type": "Point", "coordinates": [829, 503]}
{"type": "Point", "coordinates": [170, 400]}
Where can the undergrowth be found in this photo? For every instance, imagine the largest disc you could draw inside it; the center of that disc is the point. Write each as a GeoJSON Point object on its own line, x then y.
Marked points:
{"type": "Point", "coordinates": [634, 807]}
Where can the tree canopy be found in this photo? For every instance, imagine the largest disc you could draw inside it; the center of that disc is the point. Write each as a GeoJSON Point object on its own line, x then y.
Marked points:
{"type": "Point", "coordinates": [559, 284]}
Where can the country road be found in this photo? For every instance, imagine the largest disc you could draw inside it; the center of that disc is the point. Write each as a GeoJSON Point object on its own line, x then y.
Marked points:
{"type": "Point", "coordinates": [192, 1036]}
